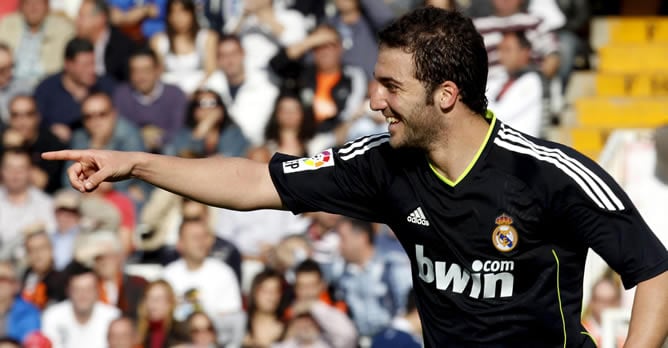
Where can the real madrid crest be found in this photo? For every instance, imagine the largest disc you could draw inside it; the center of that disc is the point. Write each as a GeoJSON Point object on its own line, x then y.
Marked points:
{"type": "Point", "coordinates": [505, 236]}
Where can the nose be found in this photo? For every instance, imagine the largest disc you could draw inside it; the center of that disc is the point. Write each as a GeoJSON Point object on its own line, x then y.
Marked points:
{"type": "Point", "coordinates": [377, 95]}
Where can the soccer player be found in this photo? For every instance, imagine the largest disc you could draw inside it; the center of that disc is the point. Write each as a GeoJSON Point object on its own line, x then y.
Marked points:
{"type": "Point", "coordinates": [496, 223]}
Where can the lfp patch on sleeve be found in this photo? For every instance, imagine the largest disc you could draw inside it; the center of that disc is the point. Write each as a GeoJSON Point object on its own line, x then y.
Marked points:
{"type": "Point", "coordinates": [321, 160]}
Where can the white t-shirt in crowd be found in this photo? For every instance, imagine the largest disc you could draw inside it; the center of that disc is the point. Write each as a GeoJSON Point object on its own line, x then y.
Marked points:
{"type": "Point", "coordinates": [64, 331]}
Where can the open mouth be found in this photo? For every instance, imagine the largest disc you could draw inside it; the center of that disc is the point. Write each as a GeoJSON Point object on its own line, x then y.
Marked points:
{"type": "Point", "coordinates": [392, 120]}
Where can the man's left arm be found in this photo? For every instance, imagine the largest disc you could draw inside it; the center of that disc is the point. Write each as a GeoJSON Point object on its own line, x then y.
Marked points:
{"type": "Point", "coordinates": [649, 327]}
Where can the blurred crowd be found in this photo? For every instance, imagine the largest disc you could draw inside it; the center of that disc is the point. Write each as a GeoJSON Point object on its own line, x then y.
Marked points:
{"type": "Point", "coordinates": [131, 265]}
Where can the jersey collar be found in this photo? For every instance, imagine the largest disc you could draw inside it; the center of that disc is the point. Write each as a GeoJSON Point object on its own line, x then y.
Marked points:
{"type": "Point", "coordinates": [491, 118]}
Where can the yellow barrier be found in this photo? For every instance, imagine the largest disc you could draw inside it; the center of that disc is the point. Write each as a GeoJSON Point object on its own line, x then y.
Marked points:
{"type": "Point", "coordinates": [637, 29]}
{"type": "Point", "coordinates": [632, 85]}
{"type": "Point", "coordinates": [609, 113]}
{"type": "Point", "coordinates": [633, 58]}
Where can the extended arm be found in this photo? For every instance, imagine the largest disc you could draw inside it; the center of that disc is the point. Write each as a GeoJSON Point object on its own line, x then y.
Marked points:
{"type": "Point", "coordinates": [233, 183]}
{"type": "Point", "coordinates": [649, 327]}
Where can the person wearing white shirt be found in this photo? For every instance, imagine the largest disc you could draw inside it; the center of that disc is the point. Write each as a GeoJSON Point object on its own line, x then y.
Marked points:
{"type": "Point", "coordinates": [81, 321]}
{"type": "Point", "coordinates": [518, 99]}
{"type": "Point", "coordinates": [199, 281]}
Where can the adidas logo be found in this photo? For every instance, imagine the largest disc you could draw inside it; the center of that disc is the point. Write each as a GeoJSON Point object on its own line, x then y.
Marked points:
{"type": "Point", "coordinates": [417, 217]}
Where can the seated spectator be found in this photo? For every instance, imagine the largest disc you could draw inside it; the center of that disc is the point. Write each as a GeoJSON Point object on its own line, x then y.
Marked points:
{"type": "Point", "coordinates": [364, 121]}
{"type": "Point", "coordinates": [325, 241]}
{"type": "Point", "coordinates": [606, 294]}
{"type": "Point", "coordinates": [405, 330]}
{"type": "Point", "coordinates": [138, 19]}
{"type": "Point", "coordinates": [21, 203]}
{"type": "Point", "coordinates": [156, 326]}
{"type": "Point", "coordinates": [122, 333]}
{"type": "Point", "coordinates": [19, 317]}
{"type": "Point", "coordinates": [263, 29]}
{"type": "Point", "coordinates": [291, 127]}
{"type": "Point", "coordinates": [81, 321]}
{"type": "Point", "coordinates": [357, 22]}
{"type": "Point", "coordinates": [518, 101]}
{"type": "Point", "coordinates": [202, 330]}
{"type": "Point", "coordinates": [112, 48]}
{"type": "Point", "coordinates": [571, 43]}
{"type": "Point", "coordinates": [239, 88]}
{"type": "Point", "coordinates": [124, 206]}
{"type": "Point", "coordinates": [59, 96]}
{"type": "Point", "coordinates": [116, 287]}
{"type": "Point", "coordinates": [25, 131]}
{"type": "Point", "coordinates": [265, 324]}
{"type": "Point", "coordinates": [67, 207]}
{"type": "Point", "coordinates": [188, 53]}
{"type": "Point", "coordinates": [36, 37]}
{"type": "Point", "coordinates": [373, 286]}
{"type": "Point", "coordinates": [332, 90]}
{"type": "Point", "coordinates": [508, 16]}
{"type": "Point", "coordinates": [10, 86]}
{"type": "Point", "coordinates": [42, 285]}
{"type": "Point", "coordinates": [311, 286]}
{"type": "Point", "coordinates": [103, 128]}
{"type": "Point", "coordinates": [157, 108]}
{"type": "Point", "coordinates": [200, 281]}
{"type": "Point", "coordinates": [209, 129]}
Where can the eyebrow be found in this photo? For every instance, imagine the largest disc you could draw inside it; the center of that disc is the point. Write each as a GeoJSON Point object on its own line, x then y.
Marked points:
{"type": "Point", "coordinates": [386, 79]}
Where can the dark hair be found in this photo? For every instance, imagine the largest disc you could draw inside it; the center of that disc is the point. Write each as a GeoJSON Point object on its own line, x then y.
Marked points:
{"type": "Point", "coordinates": [260, 278]}
{"type": "Point", "coordinates": [521, 38]}
{"type": "Point", "coordinates": [446, 47]}
{"type": "Point", "coordinates": [188, 5]}
{"type": "Point", "coordinates": [9, 340]}
{"type": "Point", "coordinates": [230, 37]}
{"type": "Point", "coordinates": [308, 266]}
{"type": "Point", "coordinates": [15, 150]}
{"type": "Point", "coordinates": [361, 226]}
{"type": "Point", "coordinates": [191, 122]}
{"type": "Point", "coordinates": [75, 269]}
{"type": "Point", "coordinates": [78, 45]}
{"type": "Point", "coordinates": [144, 51]}
{"type": "Point", "coordinates": [97, 94]}
{"type": "Point", "coordinates": [100, 6]}
{"type": "Point", "coordinates": [307, 127]}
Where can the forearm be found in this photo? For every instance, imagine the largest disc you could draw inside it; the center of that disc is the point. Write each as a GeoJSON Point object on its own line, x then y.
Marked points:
{"type": "Point", "coordinates": [550, 66]}
{"type": "Point", "coordinates": [232, 183]}
{"type": "Point", "coordinates": [133, 16]}
{"type": "Point", "coordinates": [649, 327]}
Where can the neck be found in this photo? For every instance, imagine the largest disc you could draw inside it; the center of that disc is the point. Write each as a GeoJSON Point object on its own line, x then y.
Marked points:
{"type": "Point", "coordinates": [83, 317]}
{"type": "Point", "coordinates": [5, 304]}
{"type": "Point", "coordinates": [77, 90]}
{"type": "Point", "coordinates": [236, 79]}
{"type": "Point", "coordinates": [193, 265]}
{"type": "Point", "coordinates": [34, 28]}
{"type": "Point", "coordinates": [330, 70]}
{"type": "Point", "coordinates": [264, 316]}
{"type": "Point", "coordinates": [17, 197]}
{"type": "Point", "coordinates": [351, 17]}
{"type": "Point", "coordinates": [456, 149]}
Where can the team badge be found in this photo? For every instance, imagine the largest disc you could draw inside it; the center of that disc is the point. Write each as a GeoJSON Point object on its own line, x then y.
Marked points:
{"type": "Point", "coordinates": [504, 236]}
{"type": "Point", "coordinates": [321, 160]}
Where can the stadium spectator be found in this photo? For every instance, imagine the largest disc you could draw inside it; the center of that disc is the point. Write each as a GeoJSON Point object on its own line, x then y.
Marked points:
{"type": "Point", "coordinates": [156, 326]}
{"type": "Point", "coordinates": [36, 37]}
{"type": "Point", "coordinates": [6, 342]}
{"type": "Point", "coordinates": [10, 85]}
{"type": "Point", "coordinates": [518, 100]}
{"type": "Point", "coordinates": [103, 128]}
{"type": "Point", "coordinates": [373, 286]}
{"type": "Point", "coordinates": [21, 203]}
{"type": "Point", "coordinates": [405, 330]}
{"type": "Point", "coordinates": [333, 90]}
{"type": "Point", "coordinates": [122, 333]}
{"type": "Point", "coordinates": [209, 129]}
{"type": "Point", "coordinates": [112, 47]}
{"type": "Point", "coordinates": [263, 28]}
{"type": "Point", "coordinates": [67, 207]}
{"type": "Point", "coordinates": [25, 131]}
{"type": "Point", "coordinates": [606, 294]}
{"type": "Point", "coordinates": [157, 108]}
{"type": "Point", "coordinates": [357, 22]}
{"type": "Point", "coordinates": [187, 52]}
{"type": "Point", "coordinates": [81, 321]}
{"type": "Point", "coordinates": [265, 324]}
{"type": "Point", "coordinates": [18, 317]}
{"type": "Point", "coordinates": [577, 13]}
{"type": "Point", "coordinates": [59, 96]}
{"type": "Point", "coordinates": [202, 330]}
{"type": "Point", "coordinates": [291, 127]}
{"type": "Point", "coordinates": [311, 286]}
{"type": "Point", "coordinates": [42, 284]}
{"type": "Point", "coordinates": [239, 88]}
{"type": "Point", "coordinates": [115, 286]}
{"type": "Point", "coordinates": [200, 281]}
{"type": "Point", "coordinates": [138, 19]}
{"type": "Point", "coordinates": [325, 241]}
{"type": "Point", "coordinates": [509, 15]}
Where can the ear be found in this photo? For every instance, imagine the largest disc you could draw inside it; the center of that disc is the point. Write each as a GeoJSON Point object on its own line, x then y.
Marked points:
{"type": "Point", "coordinates": [446, 95]}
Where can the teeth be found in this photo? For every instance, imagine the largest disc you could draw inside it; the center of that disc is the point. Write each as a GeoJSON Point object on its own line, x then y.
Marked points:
{"type": "Point", "coordinates": [391, 120]}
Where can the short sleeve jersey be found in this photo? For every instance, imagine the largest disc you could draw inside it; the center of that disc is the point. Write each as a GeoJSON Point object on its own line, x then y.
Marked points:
{"type": "Point", "coordinates": [497, 257]}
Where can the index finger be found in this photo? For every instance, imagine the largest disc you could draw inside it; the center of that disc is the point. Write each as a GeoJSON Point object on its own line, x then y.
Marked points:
{"type": "Point", "coordinates": [64, 155]}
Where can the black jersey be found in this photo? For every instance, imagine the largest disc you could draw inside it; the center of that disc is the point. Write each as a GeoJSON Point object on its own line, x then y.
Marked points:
{"type": "Point", "coordinates": [497, 256]}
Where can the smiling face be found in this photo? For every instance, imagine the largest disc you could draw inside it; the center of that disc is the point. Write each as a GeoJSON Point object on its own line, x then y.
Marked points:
{"type": "Point", "coordinates": [403, 101]}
